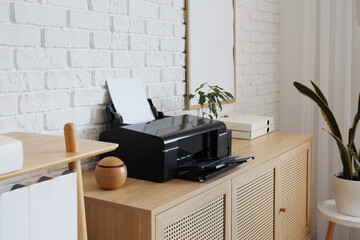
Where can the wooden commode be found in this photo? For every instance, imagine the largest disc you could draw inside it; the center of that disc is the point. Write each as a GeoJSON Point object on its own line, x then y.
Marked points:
{"type": "Point", "coordinates": [267, 198]}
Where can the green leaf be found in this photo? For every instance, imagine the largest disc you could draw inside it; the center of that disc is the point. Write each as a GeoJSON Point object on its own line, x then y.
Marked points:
{"type": "Point", "coordinates": [328, 115]}
{"type": "Point", "coordinates": [229, 95]}
{"type": "Point", "coordinates": [352, 130]}
{"type": "Point", "coordinates": [345, 156]}
{"type": "Point", "coordinates": [219, 102]}
{"type": "Point", "coordinates": [226, 98]}
{"type": "Point", "coordinates": [355, 156]}
{"type": "Point", "coordinates": [214, 111]}
{"type": "Point", "coordinates": [202, 100]}
{"type": "Point", "coordinates": [352, 152]}
{"type": "Point", "coordinates": [212, 99]}
{"type": "Point", "coordinates": [223, 97]}
{"type": "Point", "coordinates": [318, 91]}
{"type": "Point", "coordinates": [201, 86]}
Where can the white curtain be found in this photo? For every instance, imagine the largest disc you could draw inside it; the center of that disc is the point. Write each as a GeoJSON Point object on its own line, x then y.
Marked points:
{"type": "Point", "coordinates": [319, 41]}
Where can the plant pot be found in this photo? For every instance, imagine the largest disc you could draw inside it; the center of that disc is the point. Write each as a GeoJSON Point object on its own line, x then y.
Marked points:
{"type": "Point", "coordinates": [347, 195]}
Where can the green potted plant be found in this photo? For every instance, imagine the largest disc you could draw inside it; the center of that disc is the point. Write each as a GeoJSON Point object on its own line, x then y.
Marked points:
{"type": "Point", "coordinates": [346, 184]}
{"type": "Point", "coordinates": [211, 100]}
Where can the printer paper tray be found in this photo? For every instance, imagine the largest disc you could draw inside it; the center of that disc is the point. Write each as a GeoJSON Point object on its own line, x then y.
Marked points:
{"type": "Point", "coordinates": [205, 174]}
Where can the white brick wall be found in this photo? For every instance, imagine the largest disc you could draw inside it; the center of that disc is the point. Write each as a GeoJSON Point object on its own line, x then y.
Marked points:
{"type": "Point", "coordinates": [55, 56]}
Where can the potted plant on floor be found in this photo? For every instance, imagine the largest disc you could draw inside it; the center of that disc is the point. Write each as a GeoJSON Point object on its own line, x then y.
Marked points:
{"type": "Point", "coordinates": [211, 99]}
{"type": "Point", "coordinates": [346, 184]}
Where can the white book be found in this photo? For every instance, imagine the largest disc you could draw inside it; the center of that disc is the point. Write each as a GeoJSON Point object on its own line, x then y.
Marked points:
{"type": "Point", "coordinates": [246, 123]}
{"type": "Point", "coordinates": [14, 214]}
{"type": "Point", "coordinates": [253, 134]}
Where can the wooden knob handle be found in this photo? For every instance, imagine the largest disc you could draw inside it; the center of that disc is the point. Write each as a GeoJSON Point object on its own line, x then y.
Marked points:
{"type": "Point", "coordinates": [282, 209]}
{"type": "Point", "coordinates": [71, 138]}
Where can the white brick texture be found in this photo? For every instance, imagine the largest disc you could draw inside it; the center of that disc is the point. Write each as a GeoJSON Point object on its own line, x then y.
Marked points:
{"type": "Point", "coordinates": [8, 105]}
{"type": "Point", "coordinates": [57, 120]}
{"type": "Point", "coordinates": [39, 58]}
{"type": "Point", "coordinates": [39, 15]}
{"type": "Point", "coordinates": [89, 20]}
{"type": "Point", "coordinates": [20, 82]}
{"type": "Point", "coordinates": [68, 79]}
{"type": "Point", "coordinates": [56, 55]}
{"type": "Point", "coordinates": [4, 12]}
{"type": "Point", "coordinates": [15, 35]}
{"type": "Point", "coordinates": [6, 58]}
{"type": "Point", "coordinates": [40, 102]}
{"type": "Point", "coordinates": [128, 59]}
{"type": "Point", "coordinates": [89, 59]}
{"type": "Point", "coordinates": [257, 57]}
{"type": "Point", "coordinates": [56, 38]}
{"type": "Point", "coordinates": [78, 4]}
{"type": "Point", "coordinates": [143, 9]}
{"type": "Point", "coordinates": [104, 40]}
{"type": "Point", "coordinates": [109, 6]}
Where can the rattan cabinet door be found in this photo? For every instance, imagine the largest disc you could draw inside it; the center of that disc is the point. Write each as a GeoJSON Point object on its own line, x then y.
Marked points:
{"type": "Point", "coordinates": [253, 200]}
{"type": "Point", "coordinates": [205, 216]}
{"type": "Point", "coordinates": [295, 192]}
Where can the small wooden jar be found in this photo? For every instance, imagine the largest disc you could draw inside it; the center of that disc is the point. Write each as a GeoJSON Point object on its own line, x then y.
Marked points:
{"type": "Point", "coordinates": [110, 173]}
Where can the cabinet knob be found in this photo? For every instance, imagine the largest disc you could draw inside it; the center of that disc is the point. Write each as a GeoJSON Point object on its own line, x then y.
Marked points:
{"type": "Point", "coordinates": [282, 209]}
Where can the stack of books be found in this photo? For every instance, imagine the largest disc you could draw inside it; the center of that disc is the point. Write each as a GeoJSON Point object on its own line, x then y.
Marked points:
{"type": "Point", "coordinates": [248, 126]}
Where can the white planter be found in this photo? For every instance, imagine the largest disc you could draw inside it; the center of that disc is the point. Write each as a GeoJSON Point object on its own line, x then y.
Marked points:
{"type": "Point", "coordinates": [347, 195]}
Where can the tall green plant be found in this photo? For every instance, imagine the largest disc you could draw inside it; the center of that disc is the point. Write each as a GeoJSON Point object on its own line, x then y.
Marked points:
{"type": "Point", "coordinates": [212, 99]}
{"type": "Point", "coordinates": [348, 153]}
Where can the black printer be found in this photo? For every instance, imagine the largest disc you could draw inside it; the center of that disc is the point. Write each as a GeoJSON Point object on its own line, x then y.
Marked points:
{"type": "Point", "coordinates": [185, 146]}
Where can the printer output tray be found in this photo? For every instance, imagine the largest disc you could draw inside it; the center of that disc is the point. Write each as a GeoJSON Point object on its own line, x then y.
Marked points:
{"type": "Point", "coordinates": [205, 169]}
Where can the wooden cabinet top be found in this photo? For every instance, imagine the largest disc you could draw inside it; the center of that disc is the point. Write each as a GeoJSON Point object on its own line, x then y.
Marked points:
{"type": "Point", "coordinates": [157, 197]}
{"type": "Point", "coordinates": [44, 151]}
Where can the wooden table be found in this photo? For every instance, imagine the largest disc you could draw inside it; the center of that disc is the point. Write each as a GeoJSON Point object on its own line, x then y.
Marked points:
{"type": "Point", "coordinates": [328, 211]}
{"type": "Point", "coordinates": [45, 151]}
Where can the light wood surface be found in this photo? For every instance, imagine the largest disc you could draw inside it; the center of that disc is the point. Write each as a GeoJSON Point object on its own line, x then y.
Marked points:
{"type": "Point", "coordinates": [211, 209]}
{"type": "Point", "coordinates": [330, 231]}
{"type": "Point", "coordinates": [44, 151]}
{"type": "Point", "coordinates": [253, 199]}
{"type": "Point", "coordinates": [71, 138]}
{"type": "Point", "coordinates": [140, 194]}
{"type": "Point", "coordinates": [104, 222]}
{"type": "Point", "coordinates": [82, 232]}
{"type": "Point", "coordinates": [294, 173]}
{"type": "Point", "coordinates": [72, 146]}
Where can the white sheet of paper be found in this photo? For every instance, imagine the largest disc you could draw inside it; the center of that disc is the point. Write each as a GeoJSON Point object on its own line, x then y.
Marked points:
{"type": "Point", "coordinates": [129, 99]}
